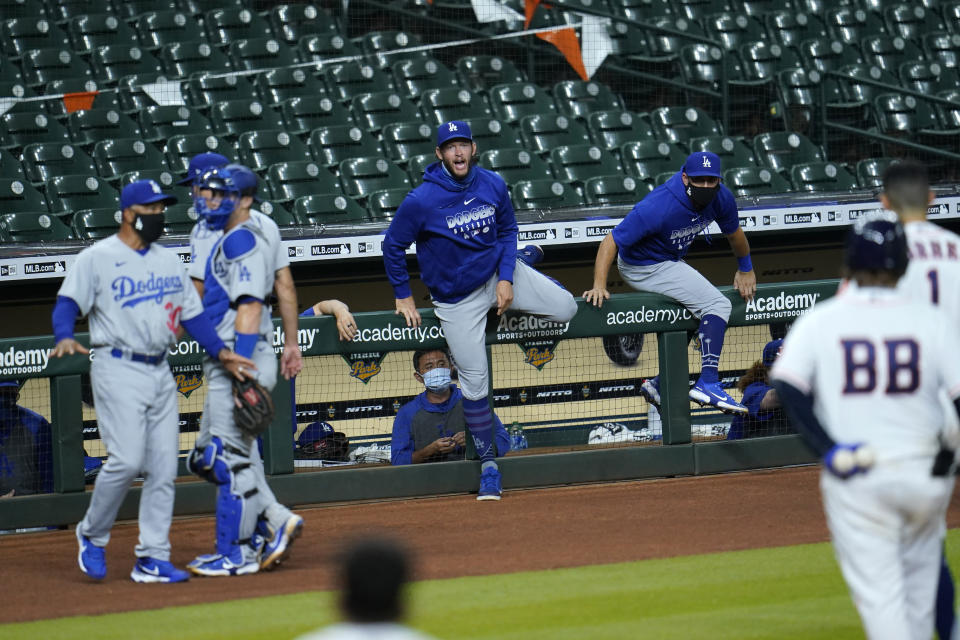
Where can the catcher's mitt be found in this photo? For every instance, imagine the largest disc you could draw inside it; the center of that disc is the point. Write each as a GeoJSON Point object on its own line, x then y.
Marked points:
{"type": "Point", "coordinates": [253, 411]}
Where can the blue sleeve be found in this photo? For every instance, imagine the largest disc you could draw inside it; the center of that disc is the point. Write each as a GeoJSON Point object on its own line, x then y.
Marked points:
{"type": "Point", "coordinates": [308, 312]}
{"type": "Point", "coordinates": [641, 222]}
{"type": "Point", "coordinates": [500, 436]}
{"type": "Point", "coordinates": [64, 318]}
{"type": "Point", "coordinates": [42, 448]}
{"type": "Point", "coordinates": [729, 218]}
{"type": "Point", "coordinates": [507, 230]}
{"type": "Point", "coordinates": [753, 396]}
{"type": "Point", "coordinates": [238, 243]}
{"type": "Point", "coordinates": [401, 442]}
{"type": "Point", "coordinates": [204, 333]}
{"type": "Point", "coordinates": [400, 235]}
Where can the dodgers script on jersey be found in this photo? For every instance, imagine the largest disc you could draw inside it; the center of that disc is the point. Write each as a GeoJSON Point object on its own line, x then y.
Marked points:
{"type": "Point", "coordinates": [875, 362]}
{"type": "Point", "coordinates": [203, 239]}
{"type": "Point", "coordinates": [137, 300]}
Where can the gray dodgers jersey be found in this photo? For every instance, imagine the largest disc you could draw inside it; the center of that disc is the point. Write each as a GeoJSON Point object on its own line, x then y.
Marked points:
{"type": "Point", "coordinates": [134, 301]}
{"type": "Point", "coordinates": [202, 239]}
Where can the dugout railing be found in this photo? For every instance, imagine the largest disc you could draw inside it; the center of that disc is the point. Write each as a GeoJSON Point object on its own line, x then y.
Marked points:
{"type": "Point", "coordinates": [627, 313]}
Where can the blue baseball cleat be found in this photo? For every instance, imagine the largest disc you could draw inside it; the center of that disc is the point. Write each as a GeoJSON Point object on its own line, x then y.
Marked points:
{"type": "Point", "coordinates": [532, 254]}
{"type": "Point", "coordinates": [489, 485]}
{"type": "Point", "coordinates": [711, 393]}
{"type": "Point", "coordinates": [277, 547]}
{"type": "Point", "coordinates": [91, 558]}
{"type": "Point", "coordinates": [151, 570]}
{"type": "Point", "coordinates": [650, 389]}
{"type": "Point", "coordinates": [215, 564]}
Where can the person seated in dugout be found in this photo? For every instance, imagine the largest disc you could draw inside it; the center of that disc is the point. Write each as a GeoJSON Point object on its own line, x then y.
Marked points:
{"type": "Point", "coordinates": [765, 416]}
{"type": "Point", "coordinates": [430, 428]}
{"type": "Point", "coordinates": [26, 448]}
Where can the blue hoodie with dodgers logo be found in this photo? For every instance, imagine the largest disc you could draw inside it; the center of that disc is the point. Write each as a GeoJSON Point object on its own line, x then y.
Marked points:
{"type": "Point", "coordinates": [465, 231]}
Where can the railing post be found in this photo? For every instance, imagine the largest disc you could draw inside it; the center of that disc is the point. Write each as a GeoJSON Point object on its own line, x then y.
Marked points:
{"type": "Point", "coordinates": [278, 438]}
{"type": "Point", "coordinates": [674, 387]}
{"type": "Point", "coordinates": [822, 108]}
{"type": "Point", "coordinates": [66, 414]}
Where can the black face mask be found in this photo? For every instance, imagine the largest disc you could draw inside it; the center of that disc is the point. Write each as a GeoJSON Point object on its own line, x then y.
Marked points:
{"type": "Point", "coordinates": [700, 197]}
{"type": "Point", "coordinates": [149, 227]}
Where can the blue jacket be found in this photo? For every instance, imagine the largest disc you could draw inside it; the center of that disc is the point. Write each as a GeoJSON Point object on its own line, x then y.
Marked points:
{"type": "Point", "coordinates": [432, 423]}
{"type": "Point", "coordinates": [756, 422]}
{"type": "Point", "coordinates": [465, 232]}
{"type": "Point", "coordinates": [663, 225]}
{"type": "Point", "coordinates": [33, 476]}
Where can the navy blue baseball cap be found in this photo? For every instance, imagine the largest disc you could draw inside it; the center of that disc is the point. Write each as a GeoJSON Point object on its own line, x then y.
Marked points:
{"type": "Point", "coordinates": [771, 351]}
{"type": "Point", "coordinates": [702, 163]}
{"type": "Point", "coordinates": [455, 129]}
{"type": "Point", "coordinates": [200, 164]}
{"type": "Point", "coordinates": [144, 192]}
{"type": "Point", "coordinates": [9, 383]}
{"type": "Point", "coordinates": [313, 432]}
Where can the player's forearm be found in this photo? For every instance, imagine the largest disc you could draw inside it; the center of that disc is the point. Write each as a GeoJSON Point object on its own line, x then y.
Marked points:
{"type": "Point", "coordinates": [422, 455]}
{"type": "Point", "coordinates": [330, 307]}
{"type": "Point", "coordinates": [739, 243]}
{"type": "Point", "coordinates": [605, 256]}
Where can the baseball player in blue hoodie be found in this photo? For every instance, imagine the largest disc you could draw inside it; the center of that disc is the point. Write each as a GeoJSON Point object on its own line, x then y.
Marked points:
{"type": "Point", "coordinates": [463, 223]}
{"type": "Point", "coordinates": [650, 244]}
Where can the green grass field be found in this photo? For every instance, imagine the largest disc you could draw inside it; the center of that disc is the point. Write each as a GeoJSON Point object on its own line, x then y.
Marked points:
{"type": "Point", "coordinates": [783, 592]}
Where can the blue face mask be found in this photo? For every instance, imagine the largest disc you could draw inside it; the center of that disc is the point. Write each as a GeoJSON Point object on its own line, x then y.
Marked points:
{"type": "Point", "coordinates": [216, 218]}
{"type": "Point", "coordinates": [437, 379]}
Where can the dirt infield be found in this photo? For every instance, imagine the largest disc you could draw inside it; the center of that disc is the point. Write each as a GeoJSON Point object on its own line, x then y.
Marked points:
{"type": "Point", "coordinates": [451, 536]}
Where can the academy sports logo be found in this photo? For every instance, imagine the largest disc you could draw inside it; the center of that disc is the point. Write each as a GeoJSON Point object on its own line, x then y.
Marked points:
{"type": "Point", "coordinates": [644, 315]}
{"type": "Point", "coordinates": [155, 288]}
{"type": "Point", "coordinates": [17, 361]}
{"type": "Point", "coordinates": [518, 327]}
{"type": "Point", "coordinates": [781, 305]}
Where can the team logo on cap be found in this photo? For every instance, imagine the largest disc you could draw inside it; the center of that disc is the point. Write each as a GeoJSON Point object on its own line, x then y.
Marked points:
{"type": "Point", "coordinates": [155, 187]}
{"type": "Point", "coordinates": [452, 127]}
{"type": "Point", "coordinates": [706, 162]}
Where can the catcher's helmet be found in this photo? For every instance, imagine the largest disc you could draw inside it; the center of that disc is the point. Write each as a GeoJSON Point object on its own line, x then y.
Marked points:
{"type": "Point", "coordinates": [234, 181]}
{"type": "Point", "coordinates": [877, 243]}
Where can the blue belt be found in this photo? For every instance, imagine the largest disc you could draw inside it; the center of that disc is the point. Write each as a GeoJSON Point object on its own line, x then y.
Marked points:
{"type": "Point", "coordinates": [138, 357]}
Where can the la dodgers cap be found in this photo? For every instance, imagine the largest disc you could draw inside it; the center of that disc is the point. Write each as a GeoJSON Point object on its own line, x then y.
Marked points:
{"type": "Point", "coordinates": [454, 129]}
{"type": "Point", "coordinates": [702, 163]}
{"type": "Point", "coordinates": [771, 351]}
{"type": "Point", "coordinates": [144, 192]}
{"type": "Point", "coordinates": [313, 432]}
{"type": "Point", "coordinates": [201, 163]}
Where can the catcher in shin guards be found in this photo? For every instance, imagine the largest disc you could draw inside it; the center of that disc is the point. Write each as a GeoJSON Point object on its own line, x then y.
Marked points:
{"type": "Point", "coordinates": [253, 530]}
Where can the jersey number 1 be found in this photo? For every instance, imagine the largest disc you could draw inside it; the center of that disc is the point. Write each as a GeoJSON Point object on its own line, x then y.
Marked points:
{"type": "Point", "coordinates": [860, 360]}
{"type": "Point", "coordinates": [933, 277]}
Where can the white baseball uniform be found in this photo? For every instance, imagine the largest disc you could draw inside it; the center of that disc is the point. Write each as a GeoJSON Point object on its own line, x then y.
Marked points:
{"type": "Point", "coordinates": [202, 239]}
{"type": "Point", "coordinates": [875, 362]}
{"type": "Point", "coordinates": [135, 301]}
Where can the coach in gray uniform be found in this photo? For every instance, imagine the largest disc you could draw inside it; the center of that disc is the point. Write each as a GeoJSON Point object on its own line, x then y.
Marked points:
{"type": "Point", "coordinates": [137, 295]}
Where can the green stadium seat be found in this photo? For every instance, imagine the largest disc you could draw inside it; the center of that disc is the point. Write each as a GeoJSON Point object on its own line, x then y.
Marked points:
{"type": "Point", "coordinates": [702, 65]}
{"type": "Point", "coordinates": [755, 8]}
{"type": "Point", "coordinates": [130, 10]}
{"type": "Point", "coordinates": [90, 31]}
{"type": "Point", "coordinates": [112, 62]}
{"type": "Point", "coordinates": [443, 105]}
{"type": "Point", "coordinates": [278, 213]}
{"type": "Point", "coordinates": [291, 22]}
{"type": "Point", "coordinates": [511, 102]}
{"type": "Point", "coordinates": [679, 124]}
{"type": "Point", "coordinates": [321, 47]}
{"type": "Point", "coordinates": [897, 114]}
{"type": "Point", "coordinates": [161, 122]}
{"type": "Point", "coordinates": [661, 178]}
{"type": "Point", "coordinates": [698, 9]}
{"type": "Point", "coordinates": [63, 10]}
{"type": "Point", "coordinates": [613, 129]}
{"type": "Point", "coordinates": [164, 177]}
{"type": "Point", "coordinates": [641, 9]}
{"type": "Point", "coordinates": [889, 53]}
{"type": "Point", "coordinates": [870, 171]}
{"type": "Point", "coordinates": [799, 93]}
{"type": "Point", "coordinates": [545, 194]}
{"type": "Point", "coordinates": [43, 160]}
{"type": "Point", "coordinates": [732, 151]}
{"type": "Point", "coordinates": [260, 53]}
{"type": "Point", "coordinates": [66, 194]}
{"type": "Point", "coordinates": [41, 66]}
{"type": "Point", "coordinates": [515, 164]}
{"type": "Point", "coordinates": [853, 91]}
{"type": "Point", "coordinates": [666, 46]}
{"type": "Point", "coordinates": [373, 111]}
{"type": "Point", "coordinates": [158, 29]}
{"type": "Point", "coordinates": [576, 163]}
{"type": "Point", "coordinates": [328, 209]}
{"type": "Point", "coordinates": [130, 97]}
{"type": "Point", "coordinates": [928, 77]}
{"type": "Point", "coordinates": [822, 176]}
{"type": "Point", "coordinates": [17, 130]}
{"type": "Point", "coordinates": [179, 219]}
{"type": "Point", "coordinates": [490, 133]}
{"type": "Point", "coordinates": [361, 176]}
{"type": "Point", "coordinates": [234, 23]}
{"type": "Point", "coordinates": [404, 140]}
{"type": "Point", "coordinates": [414, 76]}
{"type": "Point", "coordinates": [755, 181]}
{"type": "Point", "coordinates": [616, 189]}
{"type": "Point", "coordinates": [578, 99]}
{"type": "Point", "coordinates": [118, 156]}
{"type": "Point", "coordinates": [32, 228]}
{"type": "Point", "coordinates": [303, 114]}
{"type": "Point", "coordinates": [16, 195]}
{"type": "Point", "coordinates": [205, 90]}
{"type": "Point", "coordinates": [10, 167]}
{"type": "Point", "coordinates": [542, 133]}
{"type": "Point", "coordinates": [10, 70]}
{"type": "Point", "coordinates": [646, 159]}
{"type": "Point", "coordinates": [291, 180]}
{"type": "Point", "coordinates": [788, 27]}
{"type": "Point", "coordinates": [183, 59]}
{"type": "Point", "coordinates": [96, 224]}
{"type": "Point", "coordinates": [57, 108]}
{"type": "Point", "coordinates": [260, 149]}
{"type": "Point", "coordinates": [762, 60]}
{"type": "Point", "coordinates": [949, 117]}
{"type": "Point", "coordinates": [382, 204]}
{"type": "Point", "coordinates": [781, 150]}
{"type": "Point", "coordinates": [627, 40]}
{"type": "Point", "coordinates": [332, 145]}
{"type": "Point", "coordinates": [277, 85]}
{"type": "Point", "coordinates": [942, 47]}
{"type": "Point", "coordinates": [851, 25]}
{"type": "Point", "coordinates": [910, 21]}
{"type": "Point", "coordinates": [951, 15]}
{"type": "Point", "coordinates": [89, 126]}
{"type": "Point", "coordinates": [23, 33]}
{"type": "Point", "coordinates": [181, 148]}
{"type": "Point", "coordinates": [344, 81]}
{"type": "Point", "coordinates": [234, 117]}
{"type": "Point", "coordinates": [417, 164]}
{"type": "Point", "coordinates": [376, 45]}
{"type": "Point", "coordinates": [826, 54]}
{"type": "Point", "coordinates": [481, 73]}
{"type": "Point", "coordinates": [732, 30]}
{"type": "Point", "coordinates": [200, 8]}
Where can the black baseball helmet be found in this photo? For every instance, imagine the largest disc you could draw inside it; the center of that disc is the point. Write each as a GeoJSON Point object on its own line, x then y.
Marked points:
{"type": "Point", "coordinates": [877, 242]}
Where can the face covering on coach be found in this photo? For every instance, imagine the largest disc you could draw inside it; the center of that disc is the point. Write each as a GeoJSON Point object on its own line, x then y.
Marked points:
{"type": "Point", "coordinates": [437, 379]}
{"type": "Point", "coordinates": [701, 196]}
{"type": "Point", "coordinates": [148, 227]}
